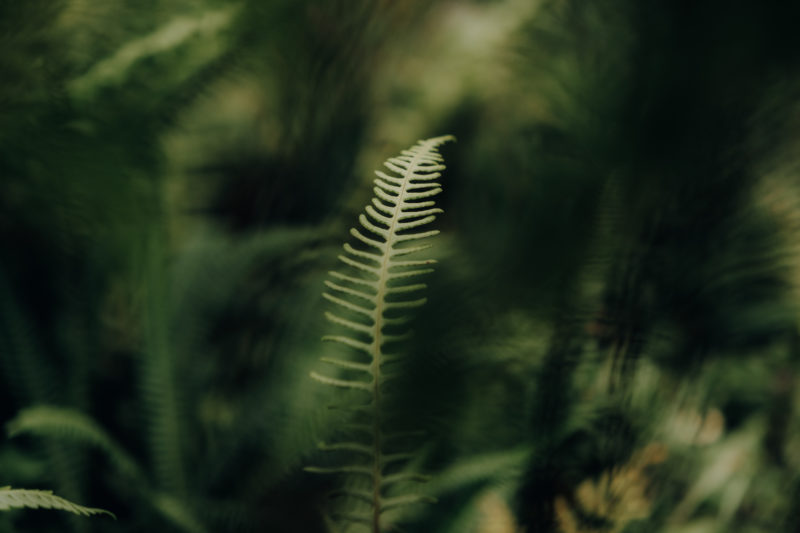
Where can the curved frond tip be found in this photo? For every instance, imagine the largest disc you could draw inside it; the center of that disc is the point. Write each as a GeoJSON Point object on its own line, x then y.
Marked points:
{"type": "Point", "coordinates": [69, 424]}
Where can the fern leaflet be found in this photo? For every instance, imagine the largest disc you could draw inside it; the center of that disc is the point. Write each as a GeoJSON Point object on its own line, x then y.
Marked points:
{"type": "Point", "coordinates": [44, 499]}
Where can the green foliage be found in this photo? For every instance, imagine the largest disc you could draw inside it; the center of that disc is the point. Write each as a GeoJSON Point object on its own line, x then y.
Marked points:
{"type": "Point", "coordinates": [371, 299]}
{"type": "Point", "coordinates": [71, 425]}
{"type": "Point", "coordinates": [42, 499]}
{"type": "Point", "coordinates": [611, 344]}
{"type": "Point", "coordinates": [63, 424]}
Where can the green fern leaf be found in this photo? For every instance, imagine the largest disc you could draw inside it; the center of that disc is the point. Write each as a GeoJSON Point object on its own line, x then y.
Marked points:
{"type": "Point", "coordinates": [42, 499]}
{"type": "Point", "coordinates": [69, 424]}
{"type": "Point", "coordinates": [177, 512]}
{"type": "Point", "coordinates": [370, 298]}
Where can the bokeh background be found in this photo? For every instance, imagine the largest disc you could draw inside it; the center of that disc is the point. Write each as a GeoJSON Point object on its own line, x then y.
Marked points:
{"type": "Point", "coordinates": [611, 338]}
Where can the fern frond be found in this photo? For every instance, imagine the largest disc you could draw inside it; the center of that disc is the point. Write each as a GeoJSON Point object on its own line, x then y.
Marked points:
{"type": "Point", "coordinates": [388, 229]}
{"type": "Point", "coordinates": [43, 499]}
{"type": "Point", "coordinates": [175, 511]}
{"type": "Point", "coordinates": [70, 424]}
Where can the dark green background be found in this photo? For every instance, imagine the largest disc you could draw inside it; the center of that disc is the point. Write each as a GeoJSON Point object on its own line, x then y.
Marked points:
{"type": "Point", "coordinates": [618, 256]}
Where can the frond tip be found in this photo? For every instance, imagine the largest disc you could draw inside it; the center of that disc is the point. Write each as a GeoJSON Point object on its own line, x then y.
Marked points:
{"type": "Point", "coordinates": [43, 499]}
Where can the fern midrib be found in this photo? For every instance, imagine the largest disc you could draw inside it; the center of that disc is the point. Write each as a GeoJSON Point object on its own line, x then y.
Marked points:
{"type": "Point", "coordinates": [383, 280]}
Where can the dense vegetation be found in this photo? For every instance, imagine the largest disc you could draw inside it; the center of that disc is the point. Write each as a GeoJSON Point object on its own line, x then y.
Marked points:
{"type": "Point", "coordinates": [610, 338]}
